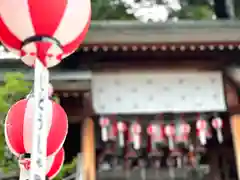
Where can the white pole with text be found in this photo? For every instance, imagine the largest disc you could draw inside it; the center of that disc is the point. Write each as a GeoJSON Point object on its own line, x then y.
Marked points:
{"type": "Point", "coordinates": [39, 137]}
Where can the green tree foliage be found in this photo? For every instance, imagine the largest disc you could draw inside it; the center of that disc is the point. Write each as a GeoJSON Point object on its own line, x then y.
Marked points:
{"type": "Point", "coordinates": [195, 12]}
{"type": "Point", "coordinates": [237, 8]}
{"type": "Point", "coordinates": [67, 169]}
{"type": "Point", "coordinates": [13, 88]}
{"type": "Point", "coordinates": [107, 10]}
{"type": "Point", "coordinates": [191, 9]}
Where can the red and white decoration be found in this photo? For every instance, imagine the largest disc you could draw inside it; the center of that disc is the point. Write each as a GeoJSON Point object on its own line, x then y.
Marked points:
{"type": "Point", "coordinates": [19, 122]}
{"type": "Point", "coordinates": [203, 131]}
{"type": "Point", "coordinates": [121, 128]}
{"type": "Point", "coordinates": [170, 132]}
{"type": "Point", "coordinates": [217, 124]}
{"type": "Point", "coordinates": [50, 91]}
{"type": "Point", "coordinates": [156, 132]}
{"type": "Point", "coordinates": [54, 164]}
{"type": "Point", "coordinates": [104, 123]}
{"type": "Point", "coordinates": [65, 22]}
{"type": "Point", "coordinates": [41, 32]}
{"type": "Point", "coordinates": [135, 135]}
{"type": "Point", "coordinates": [184, 131]}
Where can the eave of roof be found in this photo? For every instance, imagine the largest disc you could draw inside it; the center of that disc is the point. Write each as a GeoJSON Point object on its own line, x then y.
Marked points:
{"type": "Point", "coordinates": [169, 32]}
{"type": "Point", "coordinates": [169, 36]}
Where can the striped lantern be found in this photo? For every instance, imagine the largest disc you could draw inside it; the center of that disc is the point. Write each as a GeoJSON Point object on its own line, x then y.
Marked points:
{"type": "Point", "coordinates": [203, 131]}
{"type": "Point", "coordinates": [157, 138]}
{"type": "Point", "coordinates": [183, 130]}
{"type": "Point", "coordinates": [54, 165]}
{"type": "Point", "coordinates": [43, 29]}
{"type": "Point", "coordinates": [135, 135]}
{"type": "Point", "coordinates": [19, 123]}
{"type": "Point", "coordinates": [121, 129]}
{"type": "Point", "coordinates": [156, 132]}
{"type": "Point", "coordinates": [104, 122]}
{"type": "Point", "coordinates": [170, 133]}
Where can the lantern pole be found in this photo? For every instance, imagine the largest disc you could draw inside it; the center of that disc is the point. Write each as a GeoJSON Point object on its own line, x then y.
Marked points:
{"type": "Point", "coordinates": [39, 138]}
{"type": "Point", "coordinates": [23, 174]}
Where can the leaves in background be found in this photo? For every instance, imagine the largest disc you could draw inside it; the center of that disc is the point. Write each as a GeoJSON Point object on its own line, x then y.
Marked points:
{"type": "Point", "coordinates": [13, 88]}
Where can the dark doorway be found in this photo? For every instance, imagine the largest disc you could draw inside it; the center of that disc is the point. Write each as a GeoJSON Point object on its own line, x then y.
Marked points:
{"type": "Point", "coordinates": [72, 143]}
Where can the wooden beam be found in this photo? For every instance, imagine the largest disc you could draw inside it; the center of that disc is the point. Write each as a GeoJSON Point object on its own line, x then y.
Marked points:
{"type": "Point", "coordinates": [123, 32]}
{"type": "Point", "coordinates": [88, 150]}
{"type": "Point", "coordinates": [163, 64]}
{"type": "Point", "coordinates": [231, 97]}
{"type": "Point", "coordinates": [235, 127]}
{"type": "Point", "coordinates": [234, 109]}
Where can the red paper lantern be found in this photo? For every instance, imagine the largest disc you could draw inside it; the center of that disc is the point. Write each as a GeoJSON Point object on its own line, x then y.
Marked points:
{"type": "Point", "coordinates": [49, 30]}
{"type": "Point", "coordinates": [18, 127]}
{"type": "Point", "coordinates": [54, 164]}
{"type": "Point", "coordinates": [185, 128]}
{"type": "Point", "coordinates": [201, 124]}
{"type": "Point", "coordinates": [182, 132]}
{"type": "Point", "coordinates": [217, 123]}
{"type": "Point", "coordinates": [121, 127]}
{"type": "Point", "coordinates": [104, 122]}
{"type": "Point", "coordinates": [170, 130]}
{"type": "Point", "coordinates": [156, 132]}
{"type": "Point", "coordinates": [151, 129]}
{"type": "Point", "coordinates": [136, 128]}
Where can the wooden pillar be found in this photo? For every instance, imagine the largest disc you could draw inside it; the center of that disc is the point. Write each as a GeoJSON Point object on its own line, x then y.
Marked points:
{"type": "Point", "coordinates": [88, 150]}
{"type": "Point", "coordinates": [88, 140]}
{"type": "Point", "coordinates": [79, 108]}
{"type": "Point", "coordinates": [234, 117]}
{"type": "Point", "coordinates": [235, 127]}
